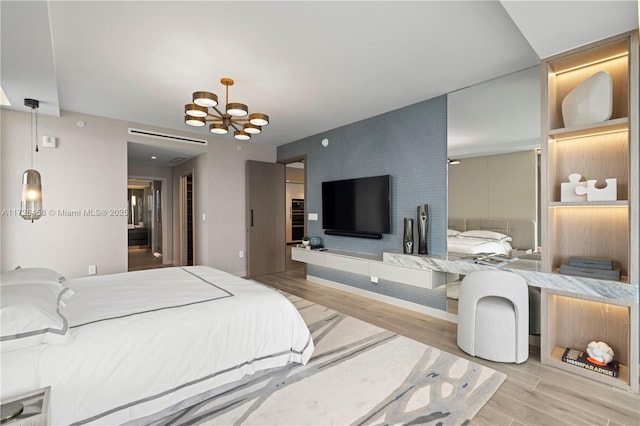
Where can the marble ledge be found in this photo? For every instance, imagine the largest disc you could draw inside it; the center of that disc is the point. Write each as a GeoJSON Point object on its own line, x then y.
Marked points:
{"type": "Point", "coordinates": [528, 269]}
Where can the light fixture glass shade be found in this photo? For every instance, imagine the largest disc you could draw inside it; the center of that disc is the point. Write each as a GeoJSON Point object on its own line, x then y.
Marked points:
{"type": "Point", "coordinates": [205, 99]}
{"type": "Point", "coordinates": [31, 204]}
{"type": "Point", "coordinates": [195, 121]}
{"type": "Point", "coordinates": [218, 129]}
{"type": "Point", "coordinates": [241, 136]}
{"type": "Point", "coordinates": [195, 110]}
{"type": "Point", "coordinates": [236, 109]}
{"type": "Point", "coordinates": [259, 119]}
{"type": "Point", "coordinates": [251, 128]}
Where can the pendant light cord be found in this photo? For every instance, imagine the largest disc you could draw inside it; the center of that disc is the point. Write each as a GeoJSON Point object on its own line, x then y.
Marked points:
{"type": "Point", "coordinates": [32, 140]}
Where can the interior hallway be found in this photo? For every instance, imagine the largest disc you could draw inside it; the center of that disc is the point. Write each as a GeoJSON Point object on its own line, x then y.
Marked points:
{"type": "Point", "coordinates": [143, 258]}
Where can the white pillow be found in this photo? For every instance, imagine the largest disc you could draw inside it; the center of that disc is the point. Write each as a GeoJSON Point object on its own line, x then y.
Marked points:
{"type": "Point", "coordinates": [31, 276]}
{"type": "Point", "coordinates": [30, 315]}
{"type": "Point", "coordinates": [452, 232]}
{"type": "Point", "coordinates": [486, 235]}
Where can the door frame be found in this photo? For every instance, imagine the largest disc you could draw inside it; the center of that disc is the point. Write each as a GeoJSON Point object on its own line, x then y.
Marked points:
{"type": "Point", "coordinates": [297, 159]}
{"type": "Point", "coordinates": [164, 207]}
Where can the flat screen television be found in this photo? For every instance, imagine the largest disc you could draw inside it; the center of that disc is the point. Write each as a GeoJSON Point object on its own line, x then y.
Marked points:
{"type": "Point", "coordinates": [357, 207]}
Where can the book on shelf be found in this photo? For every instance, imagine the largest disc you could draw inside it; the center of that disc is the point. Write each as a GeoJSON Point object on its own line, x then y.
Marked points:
{"type": "Point", "coordinates": [583, 271]}
{"type": "Point", "coordinates": [591, 262]}
{"type": "Point", "coordinates": [580, 359]}
{"type": "Point", "coordinates": [489, 259]}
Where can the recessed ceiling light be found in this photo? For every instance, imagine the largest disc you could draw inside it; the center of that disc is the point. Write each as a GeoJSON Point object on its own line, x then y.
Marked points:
{"type": "Point", "coordinates": [153, 157]}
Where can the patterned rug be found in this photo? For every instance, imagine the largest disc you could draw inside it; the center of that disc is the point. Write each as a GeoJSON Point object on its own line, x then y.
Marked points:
{"type": "Point", "coordinates": [359, 374]}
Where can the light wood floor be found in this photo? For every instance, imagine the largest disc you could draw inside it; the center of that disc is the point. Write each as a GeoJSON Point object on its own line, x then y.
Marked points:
{"type": "Point", "coordinates": [534, 394]}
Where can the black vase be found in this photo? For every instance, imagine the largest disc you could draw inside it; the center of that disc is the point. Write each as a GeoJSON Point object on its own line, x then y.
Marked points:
{"type": "Point", "coordinates": [407, 241]}
{"type": "Point", "coordinates": [423, 225]}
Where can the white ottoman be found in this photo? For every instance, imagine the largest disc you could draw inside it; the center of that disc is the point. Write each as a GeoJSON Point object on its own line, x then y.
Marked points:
{"type": "Point", "coordinates": [493, 316]}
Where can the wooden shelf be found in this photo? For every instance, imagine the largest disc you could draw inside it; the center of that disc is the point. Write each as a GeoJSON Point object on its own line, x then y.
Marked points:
{"type": "Point", "coordinates": [609, 126]}
{"type": "Point", "coordinates": [617, 203]}
{"type": "Point", "coordinates": [622, 381]}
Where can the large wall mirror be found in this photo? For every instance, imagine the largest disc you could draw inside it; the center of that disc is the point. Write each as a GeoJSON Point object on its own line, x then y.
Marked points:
{"type": "Point", "coordinates": [493, 150]}
{"type": "Point", "coordinates": [493, 173]}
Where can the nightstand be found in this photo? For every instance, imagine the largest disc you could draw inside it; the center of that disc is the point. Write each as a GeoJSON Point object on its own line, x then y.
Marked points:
{"type": "Point", "coordinates": [36, 408]}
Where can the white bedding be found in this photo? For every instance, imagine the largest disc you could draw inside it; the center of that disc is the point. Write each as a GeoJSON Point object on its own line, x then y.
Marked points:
{"type": "Point", "coordinates": [470, 245]}
{"type": "Point", "coordinates": [141, 341]}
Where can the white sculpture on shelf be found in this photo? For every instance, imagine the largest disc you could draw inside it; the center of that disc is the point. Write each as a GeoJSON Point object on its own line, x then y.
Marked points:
{"type": "Point", "coordinates": [600, 352]}
{"type": "Point", "coordinates": [608, 193]}
{"type": "Point", "coordinates": [589, 102]}
{"type": "Point", "coordinates": [568, 189]}
{"type": "Point", "coordinates": [575, 190]}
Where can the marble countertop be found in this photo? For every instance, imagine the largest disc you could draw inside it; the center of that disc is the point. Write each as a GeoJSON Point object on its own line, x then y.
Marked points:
{"type": "Point", "coordinates": [530, 270]}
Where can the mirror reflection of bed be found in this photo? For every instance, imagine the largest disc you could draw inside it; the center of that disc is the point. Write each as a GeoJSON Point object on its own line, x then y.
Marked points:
{"type": "Point", "coordinates": [516, 238]}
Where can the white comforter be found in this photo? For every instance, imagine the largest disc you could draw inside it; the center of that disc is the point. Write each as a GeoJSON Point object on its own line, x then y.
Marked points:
{"type": "Point", "coordinates": [142, 341]}
{"type": "Point", "coordinates": [469, 245]}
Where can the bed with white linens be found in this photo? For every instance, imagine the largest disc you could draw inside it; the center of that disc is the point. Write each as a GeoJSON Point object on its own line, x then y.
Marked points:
{"type": "Point", "coordinates": [120, 348]}
{"type": "Point", "coordinates": [491, 235]}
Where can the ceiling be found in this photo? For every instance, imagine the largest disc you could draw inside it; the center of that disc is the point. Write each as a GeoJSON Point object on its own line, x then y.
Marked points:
{"type": "Point", "coordinates": [312, 66]}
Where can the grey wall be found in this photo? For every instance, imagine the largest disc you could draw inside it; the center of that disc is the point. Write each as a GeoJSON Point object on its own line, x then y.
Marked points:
{"type": "Point", "coordinates": [410, 144]}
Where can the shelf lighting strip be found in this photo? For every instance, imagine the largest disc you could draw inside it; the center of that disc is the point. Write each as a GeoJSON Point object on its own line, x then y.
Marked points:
{"type": "Point", "coordinates": [604, 133]}
{"type": "Point", "coordinates": [599, 61]}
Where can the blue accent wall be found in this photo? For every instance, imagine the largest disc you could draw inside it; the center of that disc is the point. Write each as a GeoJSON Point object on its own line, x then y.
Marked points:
{"type": "Point", "coordinates": [410, 144]}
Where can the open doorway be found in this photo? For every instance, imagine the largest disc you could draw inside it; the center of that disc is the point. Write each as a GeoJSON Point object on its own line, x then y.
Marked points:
{"type": "Point", "coordinates": [144, 223]}
{"type": "Point", "coordinates": [186, 220]}
{"type": "Point", "coordinates": [295, 208]}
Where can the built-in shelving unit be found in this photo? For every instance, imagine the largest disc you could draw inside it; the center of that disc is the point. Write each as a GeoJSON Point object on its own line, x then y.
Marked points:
{"type": "Point", "coordinates": [600, 150]}
{"type": "Point", "coordinates": [603, 229]}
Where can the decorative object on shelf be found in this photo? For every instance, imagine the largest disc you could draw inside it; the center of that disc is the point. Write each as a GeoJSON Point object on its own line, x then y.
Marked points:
{"type": "Point", "coordinates": [568, 189]}
{"type": "Point", "coordinates": [31, 203]}
{"type": "Point", "coordinates": [306, 241]}
{"type": "Point", "coordinates": [316, 243]}
{"type": "Point", "coordinates": [582, 360]}
{"type": "Point", "coordinates": [200, 112]}
{"type": "Point", "coordinates": [589, 102]}
{"type": "Point", "coordinates": [423, 226]}
{"type": "Point", "coordinates": [591, 267]}
{"type": "Point", "coordinates": [599, 353]}
{"type": "Point", "coordinates": [608, 193]}
{"type": "Point", "coordinates": [407, 240]}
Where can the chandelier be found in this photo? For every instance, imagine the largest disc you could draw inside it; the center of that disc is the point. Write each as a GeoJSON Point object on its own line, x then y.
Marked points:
{"type": "Point", "coordinates": [204, 109]}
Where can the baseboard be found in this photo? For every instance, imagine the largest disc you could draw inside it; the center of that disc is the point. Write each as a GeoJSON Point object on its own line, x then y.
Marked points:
{"type": "Point", "coordinates": [436, 313]}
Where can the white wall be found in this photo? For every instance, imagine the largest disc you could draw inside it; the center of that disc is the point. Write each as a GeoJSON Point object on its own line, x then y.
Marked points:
{"type": "Point", "coordinates": [88, 170]}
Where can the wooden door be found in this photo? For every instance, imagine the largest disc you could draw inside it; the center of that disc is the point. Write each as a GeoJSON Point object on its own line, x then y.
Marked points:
{"type": "Point", "coordinates": [266, 217]}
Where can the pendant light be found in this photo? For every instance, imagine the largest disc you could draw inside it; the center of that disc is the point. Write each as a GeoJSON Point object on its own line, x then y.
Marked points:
{"type": "Point", "coordinates": [31, 204]}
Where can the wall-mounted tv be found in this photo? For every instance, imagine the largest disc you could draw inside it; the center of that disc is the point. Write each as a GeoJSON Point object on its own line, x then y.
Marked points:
{"type": "Point", "coordinates": [357, 207]}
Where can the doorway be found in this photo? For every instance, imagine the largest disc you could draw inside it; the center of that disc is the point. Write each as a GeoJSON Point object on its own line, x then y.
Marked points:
{"type": "Point", "coordinates": [144, 224]}
{"type": "Point", "coordinates": [186, 220]}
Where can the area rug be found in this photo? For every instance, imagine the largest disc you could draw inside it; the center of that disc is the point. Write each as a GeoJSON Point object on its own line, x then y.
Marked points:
{"type": "Point", "coordinates": [359, 374]}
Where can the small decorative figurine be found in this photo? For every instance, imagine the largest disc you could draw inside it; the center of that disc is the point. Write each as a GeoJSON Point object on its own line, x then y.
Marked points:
{"type": "Point", "coordinates": [599, 353]}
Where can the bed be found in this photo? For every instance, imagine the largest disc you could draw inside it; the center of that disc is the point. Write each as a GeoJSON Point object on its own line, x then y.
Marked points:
{"type": "Point", "coordinates": [505, 236]}
{"type": "Point", "coordinates": [119, 348]}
